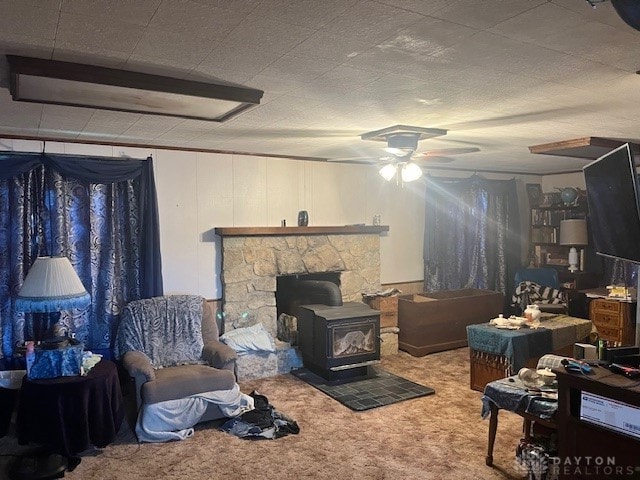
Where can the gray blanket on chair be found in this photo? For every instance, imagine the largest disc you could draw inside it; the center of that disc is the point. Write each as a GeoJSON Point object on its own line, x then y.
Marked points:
{"type": "Point", "coordinates": [167, 329]}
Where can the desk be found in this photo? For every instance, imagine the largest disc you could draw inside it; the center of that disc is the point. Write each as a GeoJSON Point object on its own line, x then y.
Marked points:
{"type": "Point", "coordinates": [579, 440]}
{"type": "Point", "coordinates": [498, 353]}
{"type": "Point", "coordinates": [510, 394]}
{"type": "Point", "coordinates": [69, 414]}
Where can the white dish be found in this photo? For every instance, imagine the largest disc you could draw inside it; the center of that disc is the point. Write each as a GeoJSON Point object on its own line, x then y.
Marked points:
{"type": "Point", "coordinates": [517, 321]}
{"type": "Point", "coordinates": [499, 321]}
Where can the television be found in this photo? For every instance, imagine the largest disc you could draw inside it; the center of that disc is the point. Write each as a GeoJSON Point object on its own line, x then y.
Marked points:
{"type": "Point", "coordinates": [614, 211]}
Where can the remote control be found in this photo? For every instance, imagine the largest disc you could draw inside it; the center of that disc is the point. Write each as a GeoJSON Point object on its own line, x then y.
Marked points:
{"type": "Point", "coordinates": [626, 371]}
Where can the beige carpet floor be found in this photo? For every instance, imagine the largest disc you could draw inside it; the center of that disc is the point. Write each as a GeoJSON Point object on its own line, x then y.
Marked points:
{"type": "Point", "coordinates": [440, 436]}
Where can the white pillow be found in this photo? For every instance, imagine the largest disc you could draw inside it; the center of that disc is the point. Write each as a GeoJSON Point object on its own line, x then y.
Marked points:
{"type": "Point", "coordinates": [249, 339]}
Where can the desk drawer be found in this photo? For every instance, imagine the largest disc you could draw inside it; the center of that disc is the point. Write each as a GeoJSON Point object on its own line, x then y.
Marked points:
{"type": "Point", "coordinates": [611, 306]}
{"type": "Point", "coordinates": [612, 320]}
{"type": "Point", "coordinates": [608, 333]}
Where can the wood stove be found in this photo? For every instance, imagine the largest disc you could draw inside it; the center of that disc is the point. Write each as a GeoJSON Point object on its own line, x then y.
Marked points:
{"type": "Point", "coordinates": [339, 342]}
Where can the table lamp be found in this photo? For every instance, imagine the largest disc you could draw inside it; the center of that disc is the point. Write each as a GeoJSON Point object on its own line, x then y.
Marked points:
{"type": "Point", "coordinates": [573, 232]}
{"type": "Point", "coordinates": [51, 285]}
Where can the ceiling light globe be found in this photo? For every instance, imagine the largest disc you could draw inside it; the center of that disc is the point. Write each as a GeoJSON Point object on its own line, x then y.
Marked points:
{"type": "Point", "coordinates": [411, 172]}
{"type": "Point", "coordinates": [388, 171]}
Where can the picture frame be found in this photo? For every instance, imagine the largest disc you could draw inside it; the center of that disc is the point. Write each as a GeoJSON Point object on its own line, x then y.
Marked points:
{"type": "Point", "coordinates": [534, 193]}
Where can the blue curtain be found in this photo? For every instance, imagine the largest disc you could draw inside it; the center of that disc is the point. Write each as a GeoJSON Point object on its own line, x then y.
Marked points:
{"type": "Point", "coordinates": [617, 272]}
{"type": "Point", "coordinates": [99, 212]}
{"type": "Point", "coordinates": [472, 234]}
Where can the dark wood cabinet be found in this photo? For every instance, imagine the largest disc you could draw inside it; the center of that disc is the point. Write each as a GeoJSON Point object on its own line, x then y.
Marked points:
{"type": "Point", "coordinates": [577, 280]}
{"type": "Point", "coordinates": [571, 283]}
{"type": "Point", "coordinates": [588, 448]}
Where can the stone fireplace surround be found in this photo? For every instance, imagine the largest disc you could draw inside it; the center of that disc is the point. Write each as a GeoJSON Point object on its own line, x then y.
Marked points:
{"type": "Point", "coordinates": [253, 258]}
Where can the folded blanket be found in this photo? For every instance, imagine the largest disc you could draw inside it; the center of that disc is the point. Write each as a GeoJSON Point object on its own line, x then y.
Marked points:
{"type": "Point", "coordinates": [174, 419]}
{"type": "Point", "coordinates": [528, 292]}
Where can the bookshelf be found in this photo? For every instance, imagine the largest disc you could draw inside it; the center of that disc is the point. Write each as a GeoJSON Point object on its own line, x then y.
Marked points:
{"type": "Point", "coordinates": [545, 233]}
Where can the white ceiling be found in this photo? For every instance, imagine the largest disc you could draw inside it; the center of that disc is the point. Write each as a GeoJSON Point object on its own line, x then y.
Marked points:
{"type": "Point", "coordinates": [499, 75]}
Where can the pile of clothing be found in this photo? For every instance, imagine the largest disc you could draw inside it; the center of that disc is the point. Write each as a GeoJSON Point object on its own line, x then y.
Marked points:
{"type": "Point", "coordinates": [261, 422]}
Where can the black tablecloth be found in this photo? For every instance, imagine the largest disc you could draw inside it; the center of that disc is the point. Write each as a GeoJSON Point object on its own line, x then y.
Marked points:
{"type": "Point", "coordinates": [510, 394]}
{"type": "Point", "coordinates": [69, 414]}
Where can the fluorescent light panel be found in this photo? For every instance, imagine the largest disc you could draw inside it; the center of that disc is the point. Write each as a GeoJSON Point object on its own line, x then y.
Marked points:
{"type": "Point", "coordinates": [64, 83]}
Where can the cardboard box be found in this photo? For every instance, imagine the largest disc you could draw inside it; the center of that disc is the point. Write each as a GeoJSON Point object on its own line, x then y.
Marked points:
{"type": "Point", "coordinates": [388, 308]}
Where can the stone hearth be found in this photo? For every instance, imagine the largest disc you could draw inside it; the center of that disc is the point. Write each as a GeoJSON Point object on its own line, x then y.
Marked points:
{"type": "Point", "coordinates": [252, 262]}
{"type": "Point", "coordinates": [252, 259]}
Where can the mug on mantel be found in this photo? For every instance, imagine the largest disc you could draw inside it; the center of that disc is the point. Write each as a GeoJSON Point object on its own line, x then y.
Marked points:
{"type": "Point", "coordinates": [303, 218]}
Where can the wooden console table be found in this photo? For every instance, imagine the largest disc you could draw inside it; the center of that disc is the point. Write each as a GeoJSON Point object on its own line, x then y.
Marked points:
{"type": "Point", "coordinates": [498, 353]}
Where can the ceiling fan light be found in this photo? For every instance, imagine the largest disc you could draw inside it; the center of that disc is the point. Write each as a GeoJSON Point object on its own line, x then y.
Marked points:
{"type": "Point", "coordinates": [388, 171]}
{"type": "Point", "coordinates": [411, 172]}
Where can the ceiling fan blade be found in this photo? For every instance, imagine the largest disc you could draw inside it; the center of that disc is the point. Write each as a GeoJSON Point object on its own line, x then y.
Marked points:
{"type": "Point", "coordinates": [358, 159]}
{"type": "Point", "coordinates": [434, 159]}
{"type": "Point", "coordinates": [447, 151]}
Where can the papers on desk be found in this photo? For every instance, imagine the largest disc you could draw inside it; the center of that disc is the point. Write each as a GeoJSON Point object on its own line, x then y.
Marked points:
{"type": "Point", "coordinates": [603, 293]}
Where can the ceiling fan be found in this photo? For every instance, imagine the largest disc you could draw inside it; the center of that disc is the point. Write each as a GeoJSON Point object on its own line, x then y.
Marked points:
{"type": "Point", "coordinates": [402, 145]}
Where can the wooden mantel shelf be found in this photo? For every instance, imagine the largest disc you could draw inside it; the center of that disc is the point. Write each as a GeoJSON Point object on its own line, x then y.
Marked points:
{"type": "Point", "coordinates": [278, 231]}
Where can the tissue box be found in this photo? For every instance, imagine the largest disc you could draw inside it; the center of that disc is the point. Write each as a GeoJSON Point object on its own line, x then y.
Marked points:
{"type": "Point", "coordinates": [584, 351]}
{"type": "Point", "coordinates": [58, 362]}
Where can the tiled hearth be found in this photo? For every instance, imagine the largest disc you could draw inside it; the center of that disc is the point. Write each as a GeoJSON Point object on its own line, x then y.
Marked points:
{"type": "Point", "coordinates": [252, 259]}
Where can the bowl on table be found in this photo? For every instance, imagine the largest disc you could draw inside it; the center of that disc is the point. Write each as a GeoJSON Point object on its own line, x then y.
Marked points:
{"type": "Point", "coordinates": [547, 376]}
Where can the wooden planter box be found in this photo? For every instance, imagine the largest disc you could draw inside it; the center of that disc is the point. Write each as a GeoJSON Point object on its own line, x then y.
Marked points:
{"type": "Point", "coordinates": [437, 321]}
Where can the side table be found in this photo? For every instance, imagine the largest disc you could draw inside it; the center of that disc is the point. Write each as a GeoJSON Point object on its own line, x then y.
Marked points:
{"type": "Point", "coordinates": [510, 394]}
{"type": "Point", "coordinates": [67, 415]}
{"type": "Point", "coordinates": [496, 353]}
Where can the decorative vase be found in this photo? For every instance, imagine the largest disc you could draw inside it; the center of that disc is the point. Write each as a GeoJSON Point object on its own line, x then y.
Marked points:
{"type": "Point", "coordinates": [303, 218]}
{"type": "Point", "coordinates": [532, 314]}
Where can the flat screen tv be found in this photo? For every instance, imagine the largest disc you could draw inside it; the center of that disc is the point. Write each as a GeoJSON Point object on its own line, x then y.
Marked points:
{"type": "Point", "coordinates": [612, 198]}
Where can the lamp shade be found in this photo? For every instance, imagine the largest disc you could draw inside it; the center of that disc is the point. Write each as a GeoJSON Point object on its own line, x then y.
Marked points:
{"type": "Point", "coordinates": [573, 232]}
{"type": "Point", "coordinates": [51, 285]}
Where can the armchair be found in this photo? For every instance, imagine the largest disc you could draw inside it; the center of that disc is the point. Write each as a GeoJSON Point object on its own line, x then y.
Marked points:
{"type": "Point", "coordinates": [539, 286]}
{"type": "Point", "coordinates": [169, 345]}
